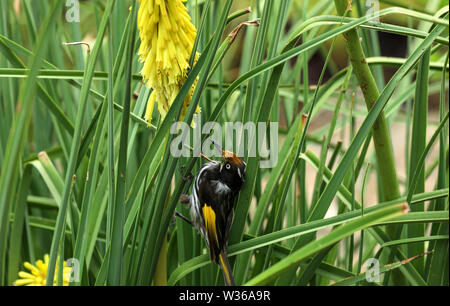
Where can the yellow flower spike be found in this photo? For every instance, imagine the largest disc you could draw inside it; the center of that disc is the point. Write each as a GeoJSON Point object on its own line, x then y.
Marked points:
{"type": "Point", "coordinates": [167, 38]}
{"type": "Point", "coordinates": [38, 274]}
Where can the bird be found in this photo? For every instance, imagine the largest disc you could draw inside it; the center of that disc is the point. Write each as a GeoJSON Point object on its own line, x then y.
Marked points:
{"type": "Point", "coordinates": [211, 204]}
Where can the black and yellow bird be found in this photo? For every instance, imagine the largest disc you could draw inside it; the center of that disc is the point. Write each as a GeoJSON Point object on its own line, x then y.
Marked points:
{"type": "Point", "coordinates": [211, 205]}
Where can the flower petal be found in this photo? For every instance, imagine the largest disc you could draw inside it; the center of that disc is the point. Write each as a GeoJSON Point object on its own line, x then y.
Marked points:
{"type": "Point", "coordinates": [35, 271]}
{"type": "Point", "coordinates": [21, 282]}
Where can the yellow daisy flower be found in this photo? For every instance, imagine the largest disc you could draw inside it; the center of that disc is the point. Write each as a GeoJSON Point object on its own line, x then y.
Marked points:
{"type": "Point", "coordinates": [38, 274]}
{"type": "Point", "coordinates": [167, 38]}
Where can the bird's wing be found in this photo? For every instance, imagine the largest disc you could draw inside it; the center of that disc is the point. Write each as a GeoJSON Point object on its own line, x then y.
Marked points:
{"type": "Point", "coordinates": [217, 212]}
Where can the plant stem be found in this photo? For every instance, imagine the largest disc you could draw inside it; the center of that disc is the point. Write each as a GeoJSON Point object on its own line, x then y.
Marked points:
{"type": "Point", "coordinates": [161, 268]}
{"type": "Point", "coordinates": [380, 132]}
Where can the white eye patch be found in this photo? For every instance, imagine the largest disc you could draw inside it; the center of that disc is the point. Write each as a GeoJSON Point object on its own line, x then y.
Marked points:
{"type": "Point", "coordinates": [228, 166]}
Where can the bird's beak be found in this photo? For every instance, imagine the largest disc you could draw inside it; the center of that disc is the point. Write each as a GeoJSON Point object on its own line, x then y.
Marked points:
{"type": "Point", "coordinates": [227, 155]}
{"type": "Point", "coordinates": [218, 147]}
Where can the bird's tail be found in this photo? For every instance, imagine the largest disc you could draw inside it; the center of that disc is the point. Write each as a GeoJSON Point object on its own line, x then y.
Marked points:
{"type": "Point", "coordinates": [225, 265]}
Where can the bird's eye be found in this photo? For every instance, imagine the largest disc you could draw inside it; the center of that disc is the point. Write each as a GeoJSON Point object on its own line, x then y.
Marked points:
{"type": "Point", "coordinates": [228, 166]}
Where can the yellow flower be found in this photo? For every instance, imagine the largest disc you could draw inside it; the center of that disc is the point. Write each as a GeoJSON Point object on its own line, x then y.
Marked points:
{"type": "Point", "coordinates": [38, 274]}
{"type": "Point", "coordinates": [167, 38]}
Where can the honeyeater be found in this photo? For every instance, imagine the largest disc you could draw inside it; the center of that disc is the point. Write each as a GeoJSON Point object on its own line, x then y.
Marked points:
{"type": "Point", "coordinates": [211, 202]}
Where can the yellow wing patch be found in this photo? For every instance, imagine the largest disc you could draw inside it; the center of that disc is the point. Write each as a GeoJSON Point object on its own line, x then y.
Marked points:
{"type": "Point", "coordinates": [210, 223]}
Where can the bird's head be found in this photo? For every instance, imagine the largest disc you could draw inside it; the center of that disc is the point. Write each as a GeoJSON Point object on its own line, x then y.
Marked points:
{"type": "Point", "coordinates": [232, 168]}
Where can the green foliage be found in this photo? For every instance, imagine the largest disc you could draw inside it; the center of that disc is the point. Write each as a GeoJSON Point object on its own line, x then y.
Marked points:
{"type": "Point", "coordinates": [83, 176]}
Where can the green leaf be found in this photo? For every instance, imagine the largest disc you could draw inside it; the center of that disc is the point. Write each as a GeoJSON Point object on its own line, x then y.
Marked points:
{"type": "Point", "coordinates": [292, 261]}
